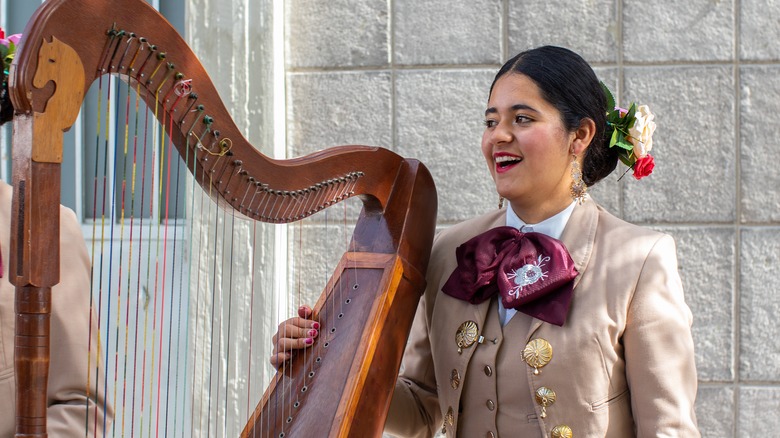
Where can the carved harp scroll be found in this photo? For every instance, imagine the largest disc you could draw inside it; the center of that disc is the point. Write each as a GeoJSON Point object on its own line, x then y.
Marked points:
{"type": "Point", "coordinates": [67, 45]}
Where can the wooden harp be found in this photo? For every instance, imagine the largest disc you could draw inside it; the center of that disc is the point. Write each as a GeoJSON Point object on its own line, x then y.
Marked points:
{"type": "Point", "coordinates": [343, 391]}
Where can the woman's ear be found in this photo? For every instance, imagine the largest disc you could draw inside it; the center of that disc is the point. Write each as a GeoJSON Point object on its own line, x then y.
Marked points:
{"type": "Point", "coordinates": [582, 136]}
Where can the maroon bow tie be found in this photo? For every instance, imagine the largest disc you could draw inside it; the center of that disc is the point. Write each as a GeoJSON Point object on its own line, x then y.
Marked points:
{"type": "Point", "coordinates": [532, 272]}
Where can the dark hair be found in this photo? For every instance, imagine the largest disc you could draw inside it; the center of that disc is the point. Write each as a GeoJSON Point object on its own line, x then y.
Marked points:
{"type": "Point", "coordinates": [568, 82]}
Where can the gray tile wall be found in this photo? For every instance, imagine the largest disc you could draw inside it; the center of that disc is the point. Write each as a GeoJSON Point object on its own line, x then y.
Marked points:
{"type": "Point", "coordinates": [413, 76]}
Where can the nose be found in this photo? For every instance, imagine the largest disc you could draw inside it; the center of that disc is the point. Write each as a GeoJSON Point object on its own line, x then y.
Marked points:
{"type": "Point", "coordinates": [501, 133]}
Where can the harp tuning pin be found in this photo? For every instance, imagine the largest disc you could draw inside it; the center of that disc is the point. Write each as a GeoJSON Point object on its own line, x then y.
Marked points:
{"type": "Point", "coordinates": [132, 35]}
{"type": "Point", "coordinates": [237, 162]}
{"type": "Point", "coordinates": [171, 66]}
{"type": "Point", "coordinates": [153, 47]}
{"type": "Point", "coordinates": [216, 133]}
{"type": "Point", "coordinates": [161, 55]}
{"type": "Point", "coordinates": [142, 39]}
{"type": "Point", "coordinates": [121, 33]}
{"type": "Point", "coordinates": [193, 95]}
{"type": "Point", "coordinates": [179, 76]}
{"type": "Point", "coordinates": [208, 120]}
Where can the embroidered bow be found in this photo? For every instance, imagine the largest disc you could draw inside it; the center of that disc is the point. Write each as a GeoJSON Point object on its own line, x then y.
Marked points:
{"type": "Point", "coordinates": [532, 272]}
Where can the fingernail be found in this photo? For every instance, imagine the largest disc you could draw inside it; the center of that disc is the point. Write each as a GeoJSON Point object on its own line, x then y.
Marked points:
{"type": "Point", "coordinates": [312, 333]}
{"type": "Point", "coordinates": [308, 341]}
{"type": "Point", "coordinates": [316, 325]}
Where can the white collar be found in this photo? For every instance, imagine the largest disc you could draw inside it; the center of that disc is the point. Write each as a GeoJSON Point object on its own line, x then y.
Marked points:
{"type": "Point", "coordinates": [552, 226]}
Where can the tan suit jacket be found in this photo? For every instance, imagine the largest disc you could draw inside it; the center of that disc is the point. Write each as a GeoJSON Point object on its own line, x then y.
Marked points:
{"type": "Point", "coordinates": [67, 389]}
{"type": "Point", "coordinates": [622, 365]}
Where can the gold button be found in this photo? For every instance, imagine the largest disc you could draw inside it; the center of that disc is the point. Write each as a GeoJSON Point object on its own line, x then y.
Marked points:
{"type": "Point", "coordinates": [490, 435]}
{"type": "Point", "coordinates": [545, 397]}
{"type": "Point", "coordinates": [537, 353]}
{"type": "Point", "coordinates": [561, 431]}
{"type": "Point", "coordinates": [490, 405]}
{"type": "Point", "coordinates": [455, 379]}
{"type": "Point", "coordinates": [488, 370]}
{"type": "Point", "coordinates": [466, 335]}
{"type": "Point", "coordinates": [449, 419]}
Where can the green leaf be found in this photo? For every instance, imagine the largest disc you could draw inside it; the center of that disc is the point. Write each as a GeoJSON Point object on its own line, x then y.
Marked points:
{"type": "Point", "coordinates": [610, 98]}
{"type": "Point", "coordinates": [614, 138]}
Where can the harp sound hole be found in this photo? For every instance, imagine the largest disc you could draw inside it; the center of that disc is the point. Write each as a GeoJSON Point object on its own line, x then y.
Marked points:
{"type": "Point", "coordinates": [341, 315]}
{"type": "Point", "coordinates": [304, 389]}
{"type": "Point", "coordinates": [349, 300]}
{"type": "Point", "coordinates": [289, 420]}
{"type": "Point", "coordinates": [281, 435]}
{"type": "Point", "coordinates": [318, 360]}
{"type": "Point", "coordinates": [311, 374]}
{"type": "Point", "coordinates": [297, 404]}
{"type": "Point", "coordinates": [355, 286]}
{"type": "Point", "coordinates": [326, 345]}
{"type": "Point", "coordinates": [333, 330]}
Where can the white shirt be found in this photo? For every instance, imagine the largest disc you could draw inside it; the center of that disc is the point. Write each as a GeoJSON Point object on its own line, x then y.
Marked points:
{"type": "Point", "coordinates": [552, 226]}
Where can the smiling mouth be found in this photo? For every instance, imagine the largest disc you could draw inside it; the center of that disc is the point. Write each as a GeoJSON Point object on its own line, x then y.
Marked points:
{"type": "Point", "coordinates": [504, 162]}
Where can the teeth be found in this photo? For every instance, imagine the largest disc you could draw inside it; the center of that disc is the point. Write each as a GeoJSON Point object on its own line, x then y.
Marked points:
{"type": "Point", "coordinates": [507, 158]}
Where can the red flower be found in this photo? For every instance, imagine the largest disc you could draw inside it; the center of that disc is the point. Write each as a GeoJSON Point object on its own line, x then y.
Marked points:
{"type": "Point", "coordinates": [644, 166]}
{"type": "Point", "coordinates": [2, 33]}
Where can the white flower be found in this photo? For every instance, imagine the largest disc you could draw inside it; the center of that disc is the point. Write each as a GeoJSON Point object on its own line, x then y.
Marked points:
{"type": "Point", "coordinates": [641, 134]}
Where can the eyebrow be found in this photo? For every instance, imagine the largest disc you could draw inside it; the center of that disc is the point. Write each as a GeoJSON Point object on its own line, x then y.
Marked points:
{"type": "Point", "coordinates": [515, 107]}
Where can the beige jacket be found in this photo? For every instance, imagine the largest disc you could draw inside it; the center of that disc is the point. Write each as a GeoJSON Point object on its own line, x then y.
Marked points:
{"type": "Point", "coordinates": [622, 365]}
{"type": "Point", "coordinates": [69, 335]}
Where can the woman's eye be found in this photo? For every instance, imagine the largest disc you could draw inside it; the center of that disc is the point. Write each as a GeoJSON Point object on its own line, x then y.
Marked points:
{"type": "Point", "coordinates": [521, 119]}
{"type": "Point", "coordinates": [490, 123]}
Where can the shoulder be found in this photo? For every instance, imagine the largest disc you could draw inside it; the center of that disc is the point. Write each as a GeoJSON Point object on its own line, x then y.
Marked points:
{"type": "Point", "coordinates": [617, 233]}
{"type": "Point", "coordinates": [453, 236]}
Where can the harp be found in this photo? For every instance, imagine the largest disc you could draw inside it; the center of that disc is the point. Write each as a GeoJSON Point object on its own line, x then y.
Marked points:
{"type": "Point", "coordinates": [342, 390]}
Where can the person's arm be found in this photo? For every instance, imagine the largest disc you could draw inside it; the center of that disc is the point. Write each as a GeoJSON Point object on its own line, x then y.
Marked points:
{"type": "Point", "coordinates": [76, 405]}
{"type": "Point", "coordinates": [659, 349]}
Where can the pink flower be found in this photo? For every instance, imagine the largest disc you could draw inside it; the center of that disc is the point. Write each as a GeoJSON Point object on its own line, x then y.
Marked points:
{"type": "Point", "coordinates": [623, 111]}
{"type": "Point", "coordinates": [644, 166]}
{"type": "Point", "coordinates": [11, 39]}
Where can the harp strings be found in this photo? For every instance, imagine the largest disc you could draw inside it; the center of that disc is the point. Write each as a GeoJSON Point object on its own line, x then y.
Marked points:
{"type": "Point", "coordinates": [166, 313]}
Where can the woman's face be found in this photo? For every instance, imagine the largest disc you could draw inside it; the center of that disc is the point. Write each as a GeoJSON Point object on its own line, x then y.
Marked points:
{"type": "Point", "coordinates": [527, 149]}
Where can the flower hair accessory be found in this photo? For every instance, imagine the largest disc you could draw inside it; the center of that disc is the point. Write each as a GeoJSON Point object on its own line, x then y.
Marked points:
{"type": "Point", "coordinates": [7, 50]}
{"type": "Point", "coordinates": [631, 131]}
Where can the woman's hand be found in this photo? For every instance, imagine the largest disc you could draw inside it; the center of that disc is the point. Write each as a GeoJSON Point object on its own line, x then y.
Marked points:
{"type": "Point", "coordinates": [294, 334]}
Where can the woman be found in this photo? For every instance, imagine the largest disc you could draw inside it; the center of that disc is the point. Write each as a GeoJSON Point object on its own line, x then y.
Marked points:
{"type": "Point", "coordinates": [601, 347]}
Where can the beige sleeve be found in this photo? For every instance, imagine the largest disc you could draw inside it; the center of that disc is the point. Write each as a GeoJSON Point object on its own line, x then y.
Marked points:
{"type": "Point", "coordinates": [659, 354]}
{"type": "Point", "coordinates": [414, 410]}
{"type": "Point", "coordinates": [75, 405]}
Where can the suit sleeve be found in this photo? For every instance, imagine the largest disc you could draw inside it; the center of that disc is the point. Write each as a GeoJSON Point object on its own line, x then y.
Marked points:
{"type": "Point", "coordinates": [659, 354]}
{"type": "Point", "coordinates": [76, 396]}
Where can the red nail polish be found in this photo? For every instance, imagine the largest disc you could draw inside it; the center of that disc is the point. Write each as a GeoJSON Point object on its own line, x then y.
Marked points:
{"type": "Point", "coordinates": [312, 332]}
{"type": "Point", "coordinates": [308, 341]}
{"type": "Point", "coordinates": [316, 325]}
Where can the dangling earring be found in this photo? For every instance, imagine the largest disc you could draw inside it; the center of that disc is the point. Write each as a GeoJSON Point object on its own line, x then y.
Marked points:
{"type": "Point", "coordinates": [579, 190]}
{"type": "Point", "coordinates": [500, 202]}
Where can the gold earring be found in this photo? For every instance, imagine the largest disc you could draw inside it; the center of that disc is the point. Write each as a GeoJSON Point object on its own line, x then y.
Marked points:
{"type": "Point", "coordinates": [500, 202]}
{"type": "Point", "coordinates": [579, 190]}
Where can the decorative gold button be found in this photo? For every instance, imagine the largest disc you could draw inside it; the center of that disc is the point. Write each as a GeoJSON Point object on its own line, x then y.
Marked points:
{"type": "Point", "coordinates": [455, 379]}
{"type": "Point", "coordinates": [490, 405]}
{"type": "Point", "coordinates": [545, 397]}
{"type": "Point", "coordinates": [466, 335]}
{"type": "Point", "coordinates": [488, 370]}
{"type": "Point", "coordinates": [490, 435]}
{"type": "Point", "coordinates": [449, 419]}
{"type": "Point", "coordinates": [537, 353]}
{"type": "Point", "coordinates": [561, 431]}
